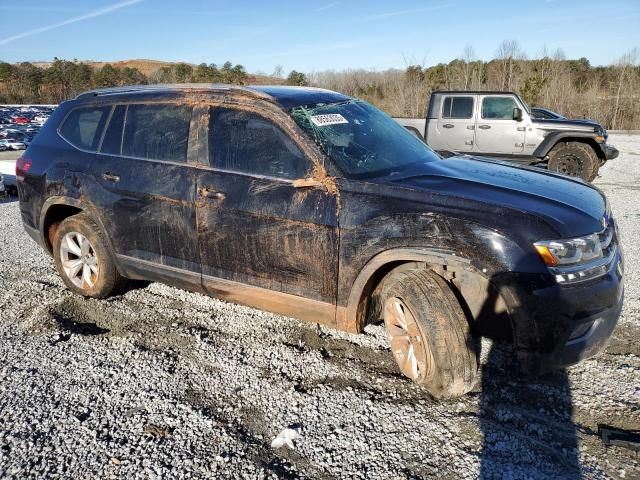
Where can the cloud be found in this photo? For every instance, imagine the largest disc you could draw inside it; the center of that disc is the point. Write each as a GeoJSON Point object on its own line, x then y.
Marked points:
{"type": "Point", "coordinates": [397, 13]}
{"type": "Point", "coordinates": [79, 18]}
{"type": "Point", "coordinates": [327, 6]}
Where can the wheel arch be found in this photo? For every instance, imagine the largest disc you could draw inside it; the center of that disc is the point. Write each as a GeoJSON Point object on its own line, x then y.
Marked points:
{"type": "Point", "coordinates": [56, 209]}
{"type": "Point", "coordinates": [472, 287]}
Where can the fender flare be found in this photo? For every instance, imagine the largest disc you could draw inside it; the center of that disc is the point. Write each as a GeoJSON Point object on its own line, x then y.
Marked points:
{"type": "Point", "coordinates": [351, 318]}
{"type": "Point", "coordinates": [552, 139]}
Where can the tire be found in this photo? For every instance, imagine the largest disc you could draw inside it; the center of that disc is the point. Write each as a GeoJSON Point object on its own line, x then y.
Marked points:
{"type": "Point", "coordinates": [436, 349]}
{"type": "Point", "coordinates": [574, 159]}
{"type": "Point", "coordinates": [79, 242]}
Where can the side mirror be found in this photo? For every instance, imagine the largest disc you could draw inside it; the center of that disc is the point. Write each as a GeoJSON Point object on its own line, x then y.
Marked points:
{"type": "Point", "coordinates": [517, 114]}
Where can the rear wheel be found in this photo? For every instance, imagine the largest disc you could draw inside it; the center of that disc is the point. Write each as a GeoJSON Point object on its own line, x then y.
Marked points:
{"type": "Point", "coordinates": [429, 333]}
{"type": "Point", "coordinates": [83, 259]}
{"type": "Point", "coordinates": [574, 159]}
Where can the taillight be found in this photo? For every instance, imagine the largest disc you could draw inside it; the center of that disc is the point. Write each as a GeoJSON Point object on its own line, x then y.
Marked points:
{"type": "Point", "coordinates": [23, 165]}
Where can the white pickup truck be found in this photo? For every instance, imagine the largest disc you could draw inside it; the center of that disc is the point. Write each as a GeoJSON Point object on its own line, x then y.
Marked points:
{"type": "Point", "coordinates": [500, 125]}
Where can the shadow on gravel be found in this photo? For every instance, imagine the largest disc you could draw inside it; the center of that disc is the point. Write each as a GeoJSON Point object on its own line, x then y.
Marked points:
{"type": "Point", "coordinates": [525, 420]}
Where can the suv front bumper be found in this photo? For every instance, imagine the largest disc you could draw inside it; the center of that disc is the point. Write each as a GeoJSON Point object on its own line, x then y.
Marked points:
{"type": "Point", "coordinates": [560, 325]}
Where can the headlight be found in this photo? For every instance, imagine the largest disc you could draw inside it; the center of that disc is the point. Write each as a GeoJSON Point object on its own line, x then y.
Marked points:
{"type": "Point", "coordinates": [570, 252]}
{"type": "Point", "coordinates": [581, 258]}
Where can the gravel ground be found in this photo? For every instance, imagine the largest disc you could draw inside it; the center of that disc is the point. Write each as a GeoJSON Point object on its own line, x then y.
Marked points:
{"type": "Point", "coordinates": [163, 383]}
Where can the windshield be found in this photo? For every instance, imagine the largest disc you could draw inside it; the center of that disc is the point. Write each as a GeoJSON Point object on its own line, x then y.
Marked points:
{"type": "Point", "coordinates": [361, 140]}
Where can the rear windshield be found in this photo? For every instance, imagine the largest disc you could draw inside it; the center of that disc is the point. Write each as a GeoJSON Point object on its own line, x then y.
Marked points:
{"type": "Point", "coordinates": [363, 141]}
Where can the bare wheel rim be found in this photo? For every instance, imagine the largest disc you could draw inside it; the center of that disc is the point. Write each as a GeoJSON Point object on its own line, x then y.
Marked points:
{"type": "Point", "coordinates": [570, 164]}
{"type": "Point", "coordinates": [79, 260]}
{"type": "Point", "coordinates": [410, 349]}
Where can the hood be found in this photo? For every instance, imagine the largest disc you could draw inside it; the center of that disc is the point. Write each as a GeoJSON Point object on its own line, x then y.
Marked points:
{"type": "Point", "coordinates": [570, 206]}
{"type": "Point", "coordinates": [563, 123]}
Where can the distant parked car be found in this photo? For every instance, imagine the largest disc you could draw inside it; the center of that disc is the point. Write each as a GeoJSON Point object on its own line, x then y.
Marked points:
{"type": "Point", "coordinates": [21, 120]}
{"type": "Point", "coordinates": [3, 147]}
{"type": "Point", "coordinates": [13, 144]}
{"type": "Point", "coordinates": [3, 190]}
{"type": "Point", "coordinates": [546, 114]}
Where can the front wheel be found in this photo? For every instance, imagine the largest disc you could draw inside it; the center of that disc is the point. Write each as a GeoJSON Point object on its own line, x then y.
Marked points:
{"type": "Point", "coordinates": [429, 333]}
{"type": "Point", "coordinates": [574, 159]}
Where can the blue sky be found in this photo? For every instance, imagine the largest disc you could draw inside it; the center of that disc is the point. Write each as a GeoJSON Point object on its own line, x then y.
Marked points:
{"type": "Point", "coordinates": [308, 36]}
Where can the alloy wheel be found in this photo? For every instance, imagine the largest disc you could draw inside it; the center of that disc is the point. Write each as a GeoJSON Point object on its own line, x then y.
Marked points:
{"type": "Point", "coordinates": [79, 260]}
{"type": "Point", "coordinates": [410, 349]}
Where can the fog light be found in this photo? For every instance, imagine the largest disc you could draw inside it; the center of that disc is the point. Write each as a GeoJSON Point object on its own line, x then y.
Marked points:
{"type": "Point", "coordinates": [581, 330]}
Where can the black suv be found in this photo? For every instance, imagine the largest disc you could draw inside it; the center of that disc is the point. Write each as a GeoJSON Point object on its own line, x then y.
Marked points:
{"type": "Point", "coordinates": [316, 205]}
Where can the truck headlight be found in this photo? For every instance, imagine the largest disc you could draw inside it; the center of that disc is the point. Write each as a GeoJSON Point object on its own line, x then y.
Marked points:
{"type": "Point", "coordinates": [570, 252]}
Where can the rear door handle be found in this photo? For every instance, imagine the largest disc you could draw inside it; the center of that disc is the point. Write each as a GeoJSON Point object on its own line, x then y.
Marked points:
{"type": "Point", "coordinates": [110, 177]}
{"type": "Point", "coordinates": [484, 127]}
{"type": "Point", "coordinates": [208, 193]}
{"type": "Point", "coordinates": [448, 125]}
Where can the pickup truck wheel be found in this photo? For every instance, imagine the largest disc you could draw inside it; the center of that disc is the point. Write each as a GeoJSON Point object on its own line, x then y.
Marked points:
{"type": "Point", "coordinates": [429, 333]}
{"type": "Point", "coordinates": [83, 259]}
{"type": "Point", "coordinates": [574, 159]}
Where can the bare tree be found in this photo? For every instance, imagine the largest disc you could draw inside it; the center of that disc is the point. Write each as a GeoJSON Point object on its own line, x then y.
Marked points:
{"type": "Point", "coordinates": [625, 63]}
{"type": "Point", "coordinates": [278, 71]}
{"type": "Point", "coordinates": [508, 55]}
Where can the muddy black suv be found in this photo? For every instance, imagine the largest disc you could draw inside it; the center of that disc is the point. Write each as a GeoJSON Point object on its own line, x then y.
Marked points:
{"type": "Point", "coordinates": [319, 206]}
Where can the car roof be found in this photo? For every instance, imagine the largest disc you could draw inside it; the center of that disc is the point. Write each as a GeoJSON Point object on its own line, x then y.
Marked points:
{"type": "Point", "coordinates": [286, 96]}
{"type": "Point", "coordinates": [476, 92]}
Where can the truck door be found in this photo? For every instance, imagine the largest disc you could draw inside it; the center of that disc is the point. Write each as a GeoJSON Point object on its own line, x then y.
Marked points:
{"type": "Point", "coordinates": [456, 123]}
{"type": "Point", "coordinates": [496, 129]}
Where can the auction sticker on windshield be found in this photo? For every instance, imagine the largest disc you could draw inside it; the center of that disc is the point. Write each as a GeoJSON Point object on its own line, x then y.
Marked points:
{"type": "Point", "coordinates": [328, 119]}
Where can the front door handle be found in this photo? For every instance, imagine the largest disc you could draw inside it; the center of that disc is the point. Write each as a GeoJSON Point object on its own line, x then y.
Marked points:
{"type": "Point", "coordinates": [110, 177]}
{"type": "Point", "coordinates": [448, 125]}
{"type": "Point", "coordinates": [212, 194]}
{"type": "Point", "coordinates": [484, 127]}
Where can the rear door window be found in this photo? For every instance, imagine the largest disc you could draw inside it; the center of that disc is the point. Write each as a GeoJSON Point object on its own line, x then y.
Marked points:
{"type": "Point", "coordinates": [157, 131]}
{"type": "Point", "coordinates": [112, 141]}
{"type": "Point", "coordinates": [246, 142]}
{"type": "Point", "coordinates": [457, 107]}
{"type": "Point", "coordinates": [498, 108]}
{"type": "Point", "coordinates": [83, 126]}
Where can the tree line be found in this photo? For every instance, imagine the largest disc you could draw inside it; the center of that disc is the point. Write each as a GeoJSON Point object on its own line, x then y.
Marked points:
{"type": "Point", "coordinates": [64, 79]}
{"type": "Point", "coordinates": [575, 88]}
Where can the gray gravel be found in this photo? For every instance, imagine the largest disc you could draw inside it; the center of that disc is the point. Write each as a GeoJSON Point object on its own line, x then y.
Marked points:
{"type": "Point", "coordinates": [163, 383]}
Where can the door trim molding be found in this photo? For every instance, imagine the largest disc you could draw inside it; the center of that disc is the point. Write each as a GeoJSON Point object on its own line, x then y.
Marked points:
{"type": "Point", "coordinates": [234, 292]}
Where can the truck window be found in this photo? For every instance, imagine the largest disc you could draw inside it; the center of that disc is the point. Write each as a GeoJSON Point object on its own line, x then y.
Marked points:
{"type": "Point", "coordinates": [457, 107]}
{"type": "Point", "coordinates": [246, 142]}
{"type": "Point", "coordinates": [498, 108]}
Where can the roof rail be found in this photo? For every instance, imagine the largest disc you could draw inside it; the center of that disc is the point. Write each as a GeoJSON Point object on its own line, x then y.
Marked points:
{"type": "Point", "coordinates": [204, 87]}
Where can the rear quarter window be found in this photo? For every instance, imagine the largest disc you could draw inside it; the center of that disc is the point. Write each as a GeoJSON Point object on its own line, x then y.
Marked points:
{"type": "Point", "coordinates": [82, 128]}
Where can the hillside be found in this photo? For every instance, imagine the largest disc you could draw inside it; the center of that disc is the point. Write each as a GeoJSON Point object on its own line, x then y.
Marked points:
{"type": "Point", "coordinates": [148, 67]}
